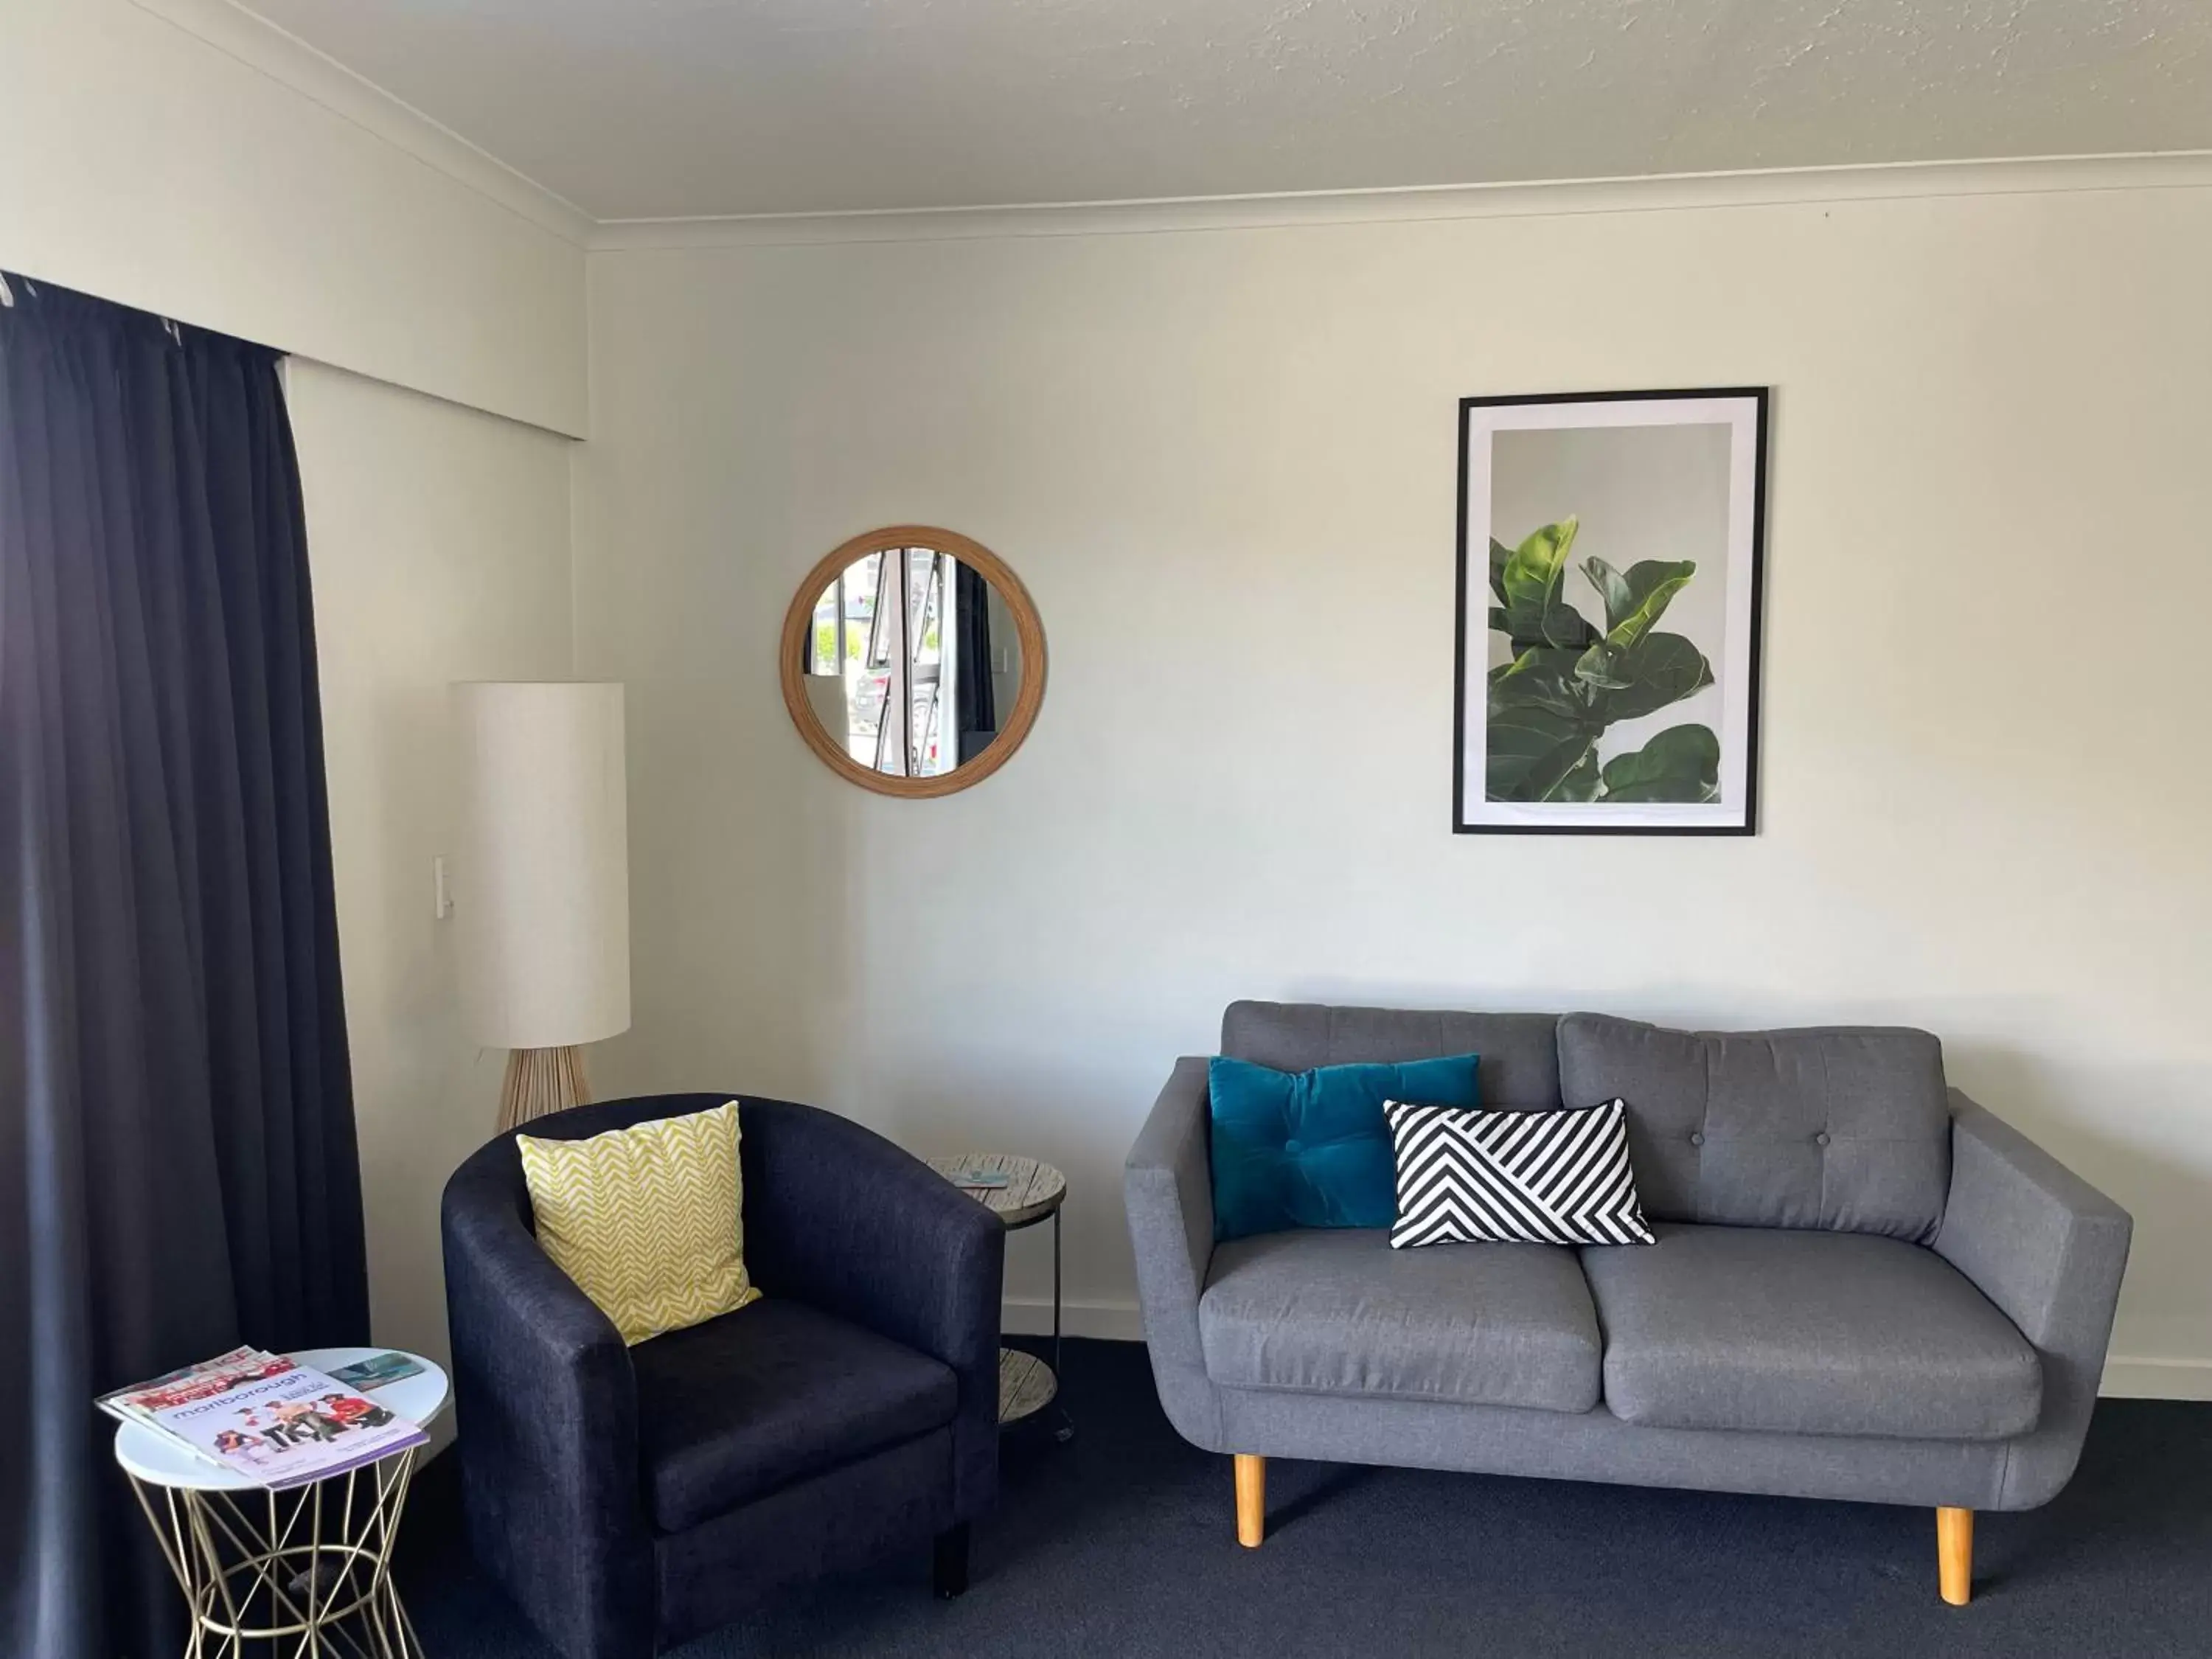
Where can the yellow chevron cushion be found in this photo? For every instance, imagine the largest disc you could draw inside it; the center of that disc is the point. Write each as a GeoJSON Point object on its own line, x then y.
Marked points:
{"type": "Point", "coordinates": [647, 1220]}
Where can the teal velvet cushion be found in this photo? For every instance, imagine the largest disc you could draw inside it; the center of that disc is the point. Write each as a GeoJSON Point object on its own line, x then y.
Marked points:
{"type": "Point", "coordinates": [1311, 1149]}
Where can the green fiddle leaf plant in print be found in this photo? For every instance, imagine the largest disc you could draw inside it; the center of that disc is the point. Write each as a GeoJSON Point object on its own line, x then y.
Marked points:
{"type": "Point", "coordinates": [1568, 680]}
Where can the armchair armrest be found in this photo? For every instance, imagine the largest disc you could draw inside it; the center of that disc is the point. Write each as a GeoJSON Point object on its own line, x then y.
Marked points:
{"type": "Point", "coordinates": [547, 1405]}
{"type": "Point", "coordinates": [2048, 1248]}
{"type": "Point", "coordinates": [1167, 1186]}
{"type": "Point", "coordinates": [840, 1218]}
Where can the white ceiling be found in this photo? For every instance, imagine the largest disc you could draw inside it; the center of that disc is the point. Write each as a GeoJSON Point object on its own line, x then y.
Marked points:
{"type": "Point", "coordinates": [650, 108]}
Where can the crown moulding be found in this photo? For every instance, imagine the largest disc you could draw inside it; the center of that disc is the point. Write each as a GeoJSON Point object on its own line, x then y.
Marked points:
{"type": "Point", "coordinates": [2178, 170]}
{"type": "Point", "coordinates": [240, 34]}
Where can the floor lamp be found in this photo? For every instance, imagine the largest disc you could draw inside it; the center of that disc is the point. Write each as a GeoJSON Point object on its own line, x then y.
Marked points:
{"type": "Point", "coordinates": [542, 889]}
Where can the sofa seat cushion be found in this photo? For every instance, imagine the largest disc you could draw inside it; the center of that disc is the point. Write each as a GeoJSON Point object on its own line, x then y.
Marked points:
{"type": "Point", "coordinates": [1806, 1332]}
{"type": "Point", "coordinates": [1340, 1312]}
{"type": "Point", "coordinates": [744, 1405]}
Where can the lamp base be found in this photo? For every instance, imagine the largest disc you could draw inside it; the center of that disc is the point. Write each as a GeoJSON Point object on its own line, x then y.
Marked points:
{"type": "Point", "coordinates": [541, 1080]}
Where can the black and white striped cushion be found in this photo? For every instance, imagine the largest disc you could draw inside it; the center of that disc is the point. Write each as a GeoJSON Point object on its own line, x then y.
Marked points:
{"type": "Point", "coordinates": [1469, 1177]}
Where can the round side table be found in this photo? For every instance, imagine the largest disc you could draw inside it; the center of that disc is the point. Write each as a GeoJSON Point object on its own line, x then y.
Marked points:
{"type": "Point", "coordinates": [1032, 1193]}
{"type": "Point", "coordinates": [308, 1567]}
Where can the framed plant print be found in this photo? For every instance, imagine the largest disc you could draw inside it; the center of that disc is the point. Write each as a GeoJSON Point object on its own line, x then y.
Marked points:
{"type": "Point", "coordinates": [1609, 548]}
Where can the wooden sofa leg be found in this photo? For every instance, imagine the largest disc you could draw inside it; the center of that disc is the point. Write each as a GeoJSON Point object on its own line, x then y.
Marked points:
{"type": "Point", "coordinates": [1251, 1500]}
{"type": "Point", "coordinates": [1955, 1555]}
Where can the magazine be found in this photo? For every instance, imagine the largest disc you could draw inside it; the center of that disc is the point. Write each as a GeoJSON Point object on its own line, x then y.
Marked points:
{"type": "Point", "coordinates": [289, 1428]}
{"type": "Point", "coordinates": [138, 1402]}
{"type": "Point", "coordinates": [262, 1416]}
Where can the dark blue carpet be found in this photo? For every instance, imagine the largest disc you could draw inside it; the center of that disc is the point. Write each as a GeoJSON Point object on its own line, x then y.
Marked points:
{"type": "Point", "coordinates": [1122, 1542]}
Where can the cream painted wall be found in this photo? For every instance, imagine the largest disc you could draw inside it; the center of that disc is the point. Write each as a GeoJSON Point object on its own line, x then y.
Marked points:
{"type": "Point", "coordinates": [438, 539]}
{"type": "Point", "coordinates": [1222, 462]}
{"type": "Point", "coordinates": [170, 169]}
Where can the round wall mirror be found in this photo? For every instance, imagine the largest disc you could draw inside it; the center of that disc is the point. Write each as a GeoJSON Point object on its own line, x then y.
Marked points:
{"type": "Point", "coordinates": [912, 660]}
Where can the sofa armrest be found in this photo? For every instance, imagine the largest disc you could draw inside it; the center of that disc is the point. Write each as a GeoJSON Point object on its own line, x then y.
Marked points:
{"type": "Point", "coordinates": [842, 1219]}
{"type": "Point", "coordinates": [1167, 1186]}
{"type": "Point", "coordinates": [547, 1408]}
{"type": "Point", "coordinates": [2048, 1248]}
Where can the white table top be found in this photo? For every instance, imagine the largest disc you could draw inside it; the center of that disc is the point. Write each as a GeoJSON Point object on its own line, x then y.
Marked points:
{"type": "Point", "coordinates": [160, 1462]}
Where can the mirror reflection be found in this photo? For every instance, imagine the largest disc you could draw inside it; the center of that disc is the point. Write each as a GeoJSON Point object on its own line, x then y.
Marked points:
{"type": "Point", "coordinates": [912, 662]}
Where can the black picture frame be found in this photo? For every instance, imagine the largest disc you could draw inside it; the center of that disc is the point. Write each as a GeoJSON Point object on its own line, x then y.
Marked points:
{"type": "Point", "coordinates": [1753, 660]}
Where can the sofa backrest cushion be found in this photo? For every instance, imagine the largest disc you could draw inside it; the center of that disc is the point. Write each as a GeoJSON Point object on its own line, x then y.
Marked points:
{"type": "Point", "coordinates": [1520, 1052]}
{"type": "Point", "coordinates": [1842, 1128]}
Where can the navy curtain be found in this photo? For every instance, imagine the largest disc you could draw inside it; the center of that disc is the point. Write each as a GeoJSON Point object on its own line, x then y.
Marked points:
{"type": "Point", "coordinates": [178, 1171]}
{"type": "Point", "coordinates": [978, 713]}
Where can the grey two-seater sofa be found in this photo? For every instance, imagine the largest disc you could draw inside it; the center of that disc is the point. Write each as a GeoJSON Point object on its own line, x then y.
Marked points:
{"type": "Point", "coordinates": [1865, 1286]}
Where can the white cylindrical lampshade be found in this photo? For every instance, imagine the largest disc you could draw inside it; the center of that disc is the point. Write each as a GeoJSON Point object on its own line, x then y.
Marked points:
{"type": "Point", "coordinates": [542, 891]}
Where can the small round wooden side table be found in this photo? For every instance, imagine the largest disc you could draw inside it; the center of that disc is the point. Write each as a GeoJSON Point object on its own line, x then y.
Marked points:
{"type": "Point", "coordinates": [306, 1571]}
{"type": "Point", "coordinates": [1031, 1193]}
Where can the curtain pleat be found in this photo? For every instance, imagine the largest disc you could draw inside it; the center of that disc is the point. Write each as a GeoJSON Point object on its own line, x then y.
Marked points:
{"type": "Point", "coordinates": [177, 1166]}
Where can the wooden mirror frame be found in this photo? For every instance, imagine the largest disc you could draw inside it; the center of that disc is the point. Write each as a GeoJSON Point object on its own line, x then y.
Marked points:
{"type": "Point", "coordinates": [1028, 631]}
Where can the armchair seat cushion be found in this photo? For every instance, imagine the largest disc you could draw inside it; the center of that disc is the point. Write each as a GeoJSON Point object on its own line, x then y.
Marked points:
{"type": "Point", "coordinates": [1339, 1311]}
{"type": "Point", "coordinates": [1797, 1331]}
{"type": "Point", "coordinates": [741, 1407]}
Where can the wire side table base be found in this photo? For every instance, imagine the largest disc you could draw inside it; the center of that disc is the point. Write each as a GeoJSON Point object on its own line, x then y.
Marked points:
{"type": "Point", "coordinates": [303, 1571]}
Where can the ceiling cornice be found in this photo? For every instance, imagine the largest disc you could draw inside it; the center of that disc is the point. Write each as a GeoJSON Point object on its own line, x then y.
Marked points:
{"type": "Point", "coordinates": [2174, 170]}
{"type": "Point", "coordinates": [239, 33]}
{"type": "Point", "coordinates": [232, 28]}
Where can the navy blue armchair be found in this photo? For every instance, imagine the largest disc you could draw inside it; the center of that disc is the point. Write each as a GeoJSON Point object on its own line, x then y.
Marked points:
{"type": "Point", "coordinates": [629, 1498]}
